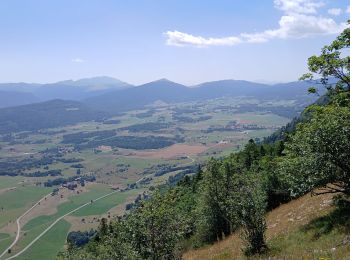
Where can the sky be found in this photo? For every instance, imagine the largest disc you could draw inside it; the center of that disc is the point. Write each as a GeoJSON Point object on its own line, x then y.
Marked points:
{"type": "Point", "coordinates": [187, 41]}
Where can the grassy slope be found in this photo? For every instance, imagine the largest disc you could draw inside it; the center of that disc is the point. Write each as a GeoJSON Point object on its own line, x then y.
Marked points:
{"type": "Point", "coordinates": [17, 201]}
{"type": "Point", "coordinates": [96, 208]}
{"type": "Point", "coordinates": [306, 228]}
{"type": "Point", "coordinates": [50, 244]}
{"type": "Point", "coordinates": [5, 241]}
{"type": "Point", "coordinates": [55, 238]}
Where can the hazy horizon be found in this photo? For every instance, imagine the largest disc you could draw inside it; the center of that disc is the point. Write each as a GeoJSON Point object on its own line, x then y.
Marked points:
{"type": "Point", "coordinates": [261, 81]}
{"type": "Point", "coordinates": [154, 129]}
{"type": "Point", "coordinates": [187, 42]}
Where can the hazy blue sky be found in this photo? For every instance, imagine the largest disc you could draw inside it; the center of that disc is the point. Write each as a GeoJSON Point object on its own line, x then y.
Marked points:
{"type": "Point", "coordinates": [188, 41]}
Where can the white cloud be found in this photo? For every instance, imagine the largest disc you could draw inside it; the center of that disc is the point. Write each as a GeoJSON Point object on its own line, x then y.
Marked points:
{"type": "Point", "coordinates": [301, 26]}
{"type": "Point", "coordinates": [335, 11]}
{"type": "Point", "coordinates": [300, 20]}
{"type": "Point", "coordinates": [298, 6]}
{"type": "Point", "coordinates": [78, 60]}
{"type": "Point", "coordinates": [176, 38]}
{"type": "Point", "coordinates": [348, 10]}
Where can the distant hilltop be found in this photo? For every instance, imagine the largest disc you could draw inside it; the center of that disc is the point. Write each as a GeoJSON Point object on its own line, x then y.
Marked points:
{"type": "Point", "coordinates": [113, 95]}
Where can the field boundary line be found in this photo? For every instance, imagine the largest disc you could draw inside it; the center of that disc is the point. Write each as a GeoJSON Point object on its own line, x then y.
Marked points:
{"type": "Point", "coordinates": [54, 223]}
{"type": "Point", "coordinates": [19, 225]}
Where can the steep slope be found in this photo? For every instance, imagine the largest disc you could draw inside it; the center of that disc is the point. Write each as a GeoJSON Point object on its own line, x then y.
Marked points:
{"type": "Point", "coordinates": [308, 227]}
{"type": "Point", "coordinates": [48, 114]}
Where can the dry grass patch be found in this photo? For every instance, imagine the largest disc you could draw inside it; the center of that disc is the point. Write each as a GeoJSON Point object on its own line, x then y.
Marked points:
{"type": "Point", "coordinates": [280, 222]}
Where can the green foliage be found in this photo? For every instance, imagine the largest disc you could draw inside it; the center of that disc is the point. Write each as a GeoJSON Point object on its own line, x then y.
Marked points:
{"type": "Point", "coordinates": [216, 203]}
{"type": "Point", "coordinates": [312, 90]}
{"type": "Point", "coordinates": [156, 227]}
{"type": "Point", "coordinates": [78, 238]}
{"type": "Point", "coordinates": [112, 245]}
{"type": "Point", "coordinates": [235, 192]}
{"type": "Point", "coordinates": [133, 142]}
{"type": "Point", "coordinates": [152, 231]}
{"type": "Point", "coordinates": [318, 152]}
{"type": "Point", "coordinates": [251, 208]}
{"type": "Point", "coordinates": [332, 64]}
{"type": "Point", "coordinates": [49, 114]}
{"type": "Point", "coordinates": [232, 197]}
{"type": "Point", "coordinates": [229, 194]}
{"type": "Point", "coordinates": [146, 127]}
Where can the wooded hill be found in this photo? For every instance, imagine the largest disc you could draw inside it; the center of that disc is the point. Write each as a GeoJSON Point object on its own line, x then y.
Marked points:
{"type": "Point", "coordinates": [60, 112]}
{"type": "Point", "coordinates": [171, 92]}
{"type": "Point", "coordinates": [112, 95]}
{"type": "Point", "coordinates": [48, 114]}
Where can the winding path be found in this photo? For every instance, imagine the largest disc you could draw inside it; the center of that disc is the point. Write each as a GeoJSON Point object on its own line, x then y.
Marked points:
{"type": "Point", "coordinates": [47, 229]}
{"type": "Point", "coordinates": [57, 220]}
{"type": "Point", "coordinates": [19, 225]}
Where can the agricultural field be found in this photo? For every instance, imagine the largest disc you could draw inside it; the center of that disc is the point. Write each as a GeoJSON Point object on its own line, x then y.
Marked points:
{"type": "Point", "coordinates": [115, 160]}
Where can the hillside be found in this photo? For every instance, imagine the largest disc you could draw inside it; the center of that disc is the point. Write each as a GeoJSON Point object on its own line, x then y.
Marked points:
{"type": "Point", "coordinates": [171, 92]}
{"type": "Point", "coordinates": [97, 83]}
{"type": "Point", "coordinates": [247, 193]}
{"type": "Point", "coordinates": [20, 87]}
{"type": "Point", "coordinates": [15, 94]}
{"type": "Point", "coordinates": [48, 114]}
{"type": "Point", "coordinates": [140, 96]}
{"type": "Point", "coordinates": [307, 227]}
{"type": "Point", "coordinates": [257, 201]}
{"type": "Point", "coordinates": [247, 88]}
{"type": "Point", "coordinates": [15, 98]}
{"type": "Point", "coordinates": [79, 89]}
{"type": "Point", "coordinates": [113, 95]}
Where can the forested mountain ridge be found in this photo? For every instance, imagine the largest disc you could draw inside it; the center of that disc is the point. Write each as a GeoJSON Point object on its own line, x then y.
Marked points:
{"type": "Point", "coordinates": [28, 93]}
{"type": "Point", "coordinates": [14, 98]}
{"type": "Point", "coordinates": [234, 194]}
{"type": "Point", "coordinates": [130, 98]}
{"type": "Point", "coordinates": [112, 95]}
{"type": "Point", "coordinates": [138, 97]}
{"type": "Point", "coordinates": [79, 89]}
{"type": "Point", "coordinates": [171, 92]}
{"type": "Point", "coordinates": [47, 114]}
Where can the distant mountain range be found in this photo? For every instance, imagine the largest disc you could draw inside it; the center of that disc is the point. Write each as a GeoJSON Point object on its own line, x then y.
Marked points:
{"type": "Point", "coordinates": [70, 102]}
{"type": "Point", "coordinates": [14, 94]}
{"type": "Point", "coordinates": [14, 98]}
{"type": "Point", "coordinates": [113, 95]}
{"type": "Point", "coordinates": [137, 97]}
{"type": "Point", "coordinates": [171, 92]}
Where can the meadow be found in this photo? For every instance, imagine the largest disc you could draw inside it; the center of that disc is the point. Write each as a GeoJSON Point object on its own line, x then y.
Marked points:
{"type": "Point", "coordinates": [196, 131]}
